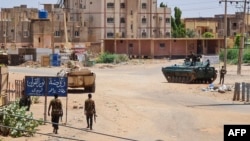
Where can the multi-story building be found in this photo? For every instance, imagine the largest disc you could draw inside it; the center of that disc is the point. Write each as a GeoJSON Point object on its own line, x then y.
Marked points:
{"type": "Point", "coordinates": [84, 21]}
{"type": "Point", "coordinates": [124, 18]}
{"type": "Point", "coordinates": [216, 24]}
{"type": "Point", "coordinates": [15, 25]}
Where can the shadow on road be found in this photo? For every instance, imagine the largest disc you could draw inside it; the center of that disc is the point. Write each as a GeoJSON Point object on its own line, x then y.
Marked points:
{"type": "Point", "coordinates": [77, 91]}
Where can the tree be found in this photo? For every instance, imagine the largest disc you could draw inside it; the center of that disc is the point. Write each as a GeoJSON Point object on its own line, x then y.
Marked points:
{"type": "Point", "coordinates": [190, 33]}
{"type": "Point", "coordinates": [163, 5]}
{"type": "Point", "coordinates": [178, 28]}
{"type": "Point", "coordinates": [208, 35]}
{"type": "Point", "coordinates": [237, 41]}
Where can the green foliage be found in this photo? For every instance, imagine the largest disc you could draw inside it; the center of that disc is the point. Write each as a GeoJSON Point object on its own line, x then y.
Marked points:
{"type": "Point", "coordinates": [208, 35]}
{"type": "Point", "coordinates": [190, 33]}
{"type": "Point", "coordinates": [106, 58]}
{"type": "Point", "coordinates": [237, 41]}
{"type": "Point", "coordinates": [246, 56]}
{"type": "Point", "coordinates": [112, 58]}
{"type": "Point", "coordinates": [178, 28]}
{"type": "Point", "coordinates": [232, 56]}
{"type": "Point", "coordinates": [121, 58]}
{"type": "Point", "coordinates": [21, 120]}
{"type": "Point", "coordinates": [163, 5]}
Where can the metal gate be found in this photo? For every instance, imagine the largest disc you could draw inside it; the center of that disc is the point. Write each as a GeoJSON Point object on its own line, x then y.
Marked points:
{"type": "Point", "coordinates": [14, 91]}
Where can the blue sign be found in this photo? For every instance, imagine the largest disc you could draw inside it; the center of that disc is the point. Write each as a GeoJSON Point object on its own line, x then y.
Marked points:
{"type": "Point", "coordinates": [35, 85]}
{"type": "Point", "coordinates": [40, 86]}
{"type": "Point", "coordinates": [57, 85]}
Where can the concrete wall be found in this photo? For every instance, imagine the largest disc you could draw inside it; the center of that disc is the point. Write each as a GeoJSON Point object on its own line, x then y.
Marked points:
{"type": "Point", "coordinates": [173, 48]}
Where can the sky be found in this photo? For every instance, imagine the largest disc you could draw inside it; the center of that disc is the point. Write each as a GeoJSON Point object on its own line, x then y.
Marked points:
{"type": "Point", "coordinates": [189, 8]}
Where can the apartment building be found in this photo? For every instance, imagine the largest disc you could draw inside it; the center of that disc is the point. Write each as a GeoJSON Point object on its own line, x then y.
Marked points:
{"type": "Point", "coordinates": [86, 21]}
{"type": "Point", "coordinates": [234, 23]}
{"type": "Point", "coordinates": [15, 25]}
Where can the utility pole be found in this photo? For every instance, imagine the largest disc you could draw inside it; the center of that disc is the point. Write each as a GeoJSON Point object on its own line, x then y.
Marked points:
{"type": "Point", "coordinates": [242, 41]}
{"type": "Point", "coordinates": [225, 36]}
{"type": "Point", "coordinates": [52, 30]}
{"type": "Point", "coordinates": [242, 33]}
{"type": "Point", "coordinates": [225, 32]}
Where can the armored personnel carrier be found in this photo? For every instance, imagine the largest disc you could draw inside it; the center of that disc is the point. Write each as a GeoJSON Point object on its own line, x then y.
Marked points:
{"type": "Point", "coordinates": [191, 71]}
{"type": "Point", "coordinates": [80, 78]}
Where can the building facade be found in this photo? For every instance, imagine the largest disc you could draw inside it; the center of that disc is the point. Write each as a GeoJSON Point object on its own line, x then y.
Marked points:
{"type": "Point", "coordinates": [72, 22]}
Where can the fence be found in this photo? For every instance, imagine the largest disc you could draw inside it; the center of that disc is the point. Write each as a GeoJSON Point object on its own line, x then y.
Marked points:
{"type": "Point", "coordinates": [241, 92]}
{"type": "Point", "coordinates": [14, 91]}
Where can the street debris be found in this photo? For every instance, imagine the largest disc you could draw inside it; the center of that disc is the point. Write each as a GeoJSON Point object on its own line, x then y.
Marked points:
{"type": "Point", "coordinates": [221, 89]}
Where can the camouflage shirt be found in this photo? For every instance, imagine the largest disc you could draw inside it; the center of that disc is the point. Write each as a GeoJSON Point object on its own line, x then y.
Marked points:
{"type": "Point", "coordinates": [89, 107]}
{"type": "Point", "coordinates": [56, 105]}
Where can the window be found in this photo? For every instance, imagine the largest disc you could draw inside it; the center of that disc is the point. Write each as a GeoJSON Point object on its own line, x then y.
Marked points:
{"type": "Point", "coordinates": [162, 45]}
{"type": "Point", "coordinates": [122, 5]}
{"type": "Point", "coordinates": [77, 34]}
{"type": "Point", "coordinates": [131, 27]}
{"type": "Point", "coordinates": [144, 6]}
{"type": "Point", "coordinates": [143, 34]}
{"type": "Point", "coordinates": [122, 20]}
{"type": "Point", "coordinates": [57, 33]}
{"type": "Point", "coordinates": [167, 34]}
{"type": "Point", "coordinates": [110, 5]}
{"type": "Point", "coordinates": [110, 20]}
{"type": "Point", "coordinates": [123, 34]}
{"type": "Point", "coordinates": [131, 12]}
{"type": "Point", "coordinates": [25, 33]}
{"type": "Point", "coordinates": [167, 20]}
{"type": "Point", "coordinates": [110, 34]}
{"type": "Point", "coordinates": [234, 26]}
{"type": "Point", "coordinates": [144, 20]}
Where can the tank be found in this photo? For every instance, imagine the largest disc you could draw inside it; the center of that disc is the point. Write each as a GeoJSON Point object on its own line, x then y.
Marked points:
{"type": "Point", "coordinates": [80, 78]}
{"type": "Point", "coordinates": [191, 71]}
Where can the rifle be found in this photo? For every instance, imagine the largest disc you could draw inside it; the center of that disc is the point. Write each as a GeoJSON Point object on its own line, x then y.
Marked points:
{"type": "Point", "coordinates": [61, 115]}
{"type": "Point", "coordinates": [95, 117]}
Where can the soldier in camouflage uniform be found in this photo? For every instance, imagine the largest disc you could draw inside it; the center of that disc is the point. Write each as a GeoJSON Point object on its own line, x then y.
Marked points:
{"type": "Point", "coordinates": [223, 71]}
{"type": "Point", "coordinates": [89, 111]}
{"type": "Point", "coordinates": [56, 112]}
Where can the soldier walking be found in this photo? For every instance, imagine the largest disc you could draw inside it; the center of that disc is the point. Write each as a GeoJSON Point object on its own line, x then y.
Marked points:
{"type": "Point", "coordinates": [89, 111]}
{"type": "Point", "coordinates": [56, 112]}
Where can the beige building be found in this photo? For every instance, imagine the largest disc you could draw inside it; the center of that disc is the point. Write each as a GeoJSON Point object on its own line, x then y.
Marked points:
{"type": "Point", "coordinates": [201, 25]}
{"type": "Point", "coordinates": [80, 21]}
{"type": "Point", "coordinates": [215, 25]}
{"type": "Point", "coordinates": [15, 25]}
